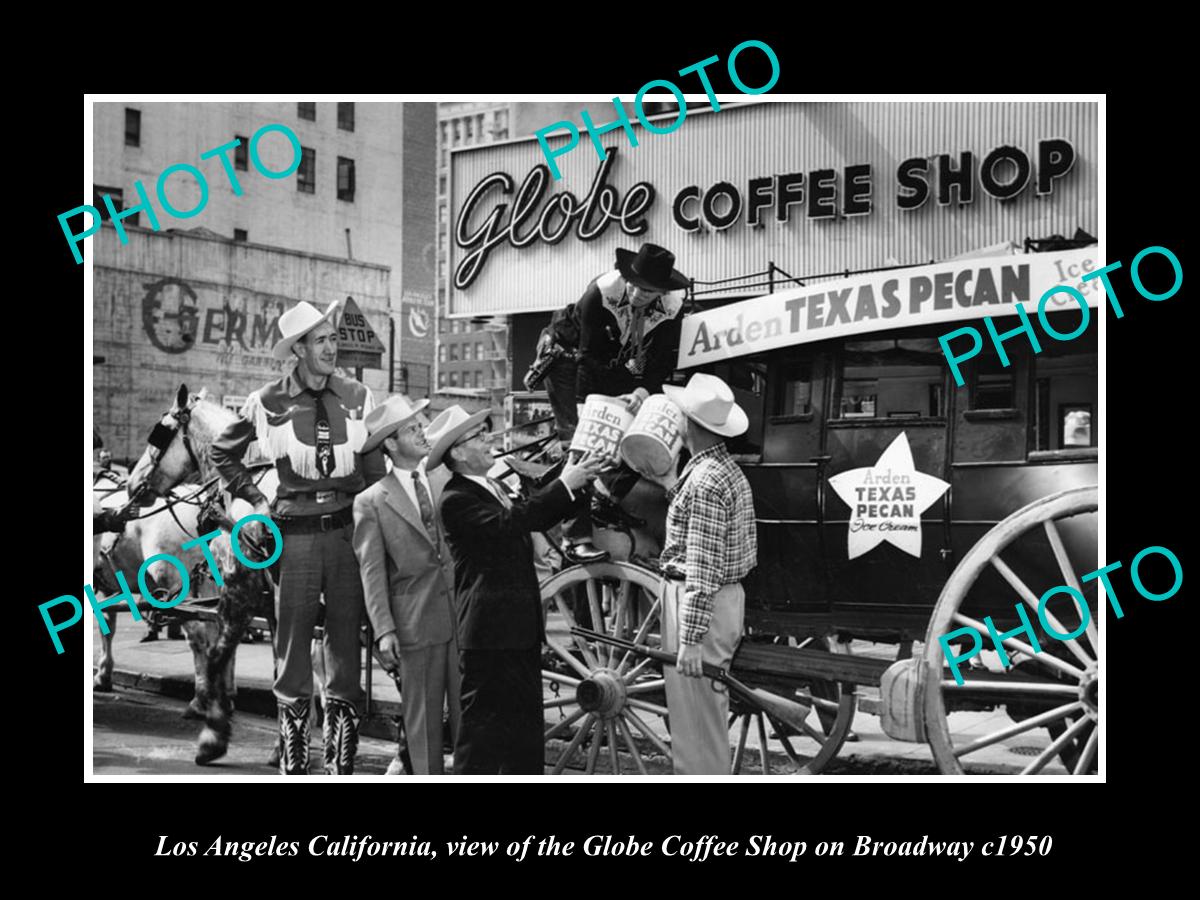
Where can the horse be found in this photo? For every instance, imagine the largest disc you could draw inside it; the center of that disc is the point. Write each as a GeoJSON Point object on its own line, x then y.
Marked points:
{"type": "Point", "coordinates": [180, 450]}
{"type": "Point", "coordinates": [154, 531]}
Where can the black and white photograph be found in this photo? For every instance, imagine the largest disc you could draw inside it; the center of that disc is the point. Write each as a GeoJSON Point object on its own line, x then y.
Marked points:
{"type": "Point", "coordinates": [728, 435]}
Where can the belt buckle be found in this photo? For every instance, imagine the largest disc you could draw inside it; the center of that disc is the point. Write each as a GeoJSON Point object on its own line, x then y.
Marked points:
{"type": "Point", "coordinates": [327, 522]}
{"type": "Point", "coordinates": [326, 496]}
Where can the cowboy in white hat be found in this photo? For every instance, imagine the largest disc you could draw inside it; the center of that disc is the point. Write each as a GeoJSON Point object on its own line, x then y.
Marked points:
{"type": "Point", "coordinates": [711, 545]}
{"type": "Point", "coordinates": [311, 424]}
{"type": "Point", "coordinates": [408, 578]}
{"type": "Point", "coordinates": [500, 627]}
{"type": "Point", "coordinates": [620, 338]}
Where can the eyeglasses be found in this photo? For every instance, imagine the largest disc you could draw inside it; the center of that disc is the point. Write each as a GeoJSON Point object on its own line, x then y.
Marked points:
{"type": "Point", "coordinates": [482, 432]}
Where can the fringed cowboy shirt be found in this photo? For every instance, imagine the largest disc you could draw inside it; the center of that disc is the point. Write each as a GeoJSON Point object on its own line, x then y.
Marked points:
{"type": "Point", "coordinates": [313, 437]}
{"type": "Point", "coordinates": [711, 535]}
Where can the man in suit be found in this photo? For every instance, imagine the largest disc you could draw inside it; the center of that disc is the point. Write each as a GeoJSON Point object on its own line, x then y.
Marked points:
{"type": "Point", "coordinates": [408, 579]}
{"type": "Point", "coordinates": [500, 624]}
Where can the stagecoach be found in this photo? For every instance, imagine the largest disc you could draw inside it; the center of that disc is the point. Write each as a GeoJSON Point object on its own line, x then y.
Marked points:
{"type": "Point", "coordinates": [893, 507]}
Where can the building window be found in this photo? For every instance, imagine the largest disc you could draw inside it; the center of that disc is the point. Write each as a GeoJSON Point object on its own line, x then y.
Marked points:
{"type": "Point", "coordinates": [479, 351]}
{"type": "Point", "coordinates": [500, 129]}
{"type": "Point", "coordinates": [345, 179]}
{"type": "Point", "coordinates": [306, 175]}
{"type": "Point", "coordinates": [118, 201]}
{"type": "Point", "coordinates": [453, 379]}
{"type": "Point", "coordinates": [479, 130]}
{"type": "Point", "coordinates": [994, 386]}
{"type": "Point", "coordinates": [346, 116]}
{"type": "Point", "coordinates": [456, 126]}
{"type": "Point", "coordinates": [239, 234]}
{"type": "Point", "coordinates": [441, 185]}
{"type": "Point", "coordinates": [241, 153]}
{"type": "Point", "coordinates": [478, 379]}
{"type": "Point", "coordinates": [133, 127]}
{"type": "Point", "coordinates": [307, 111]}
{"type": "Point", "coordinates": [441, 379]}
{"type": "Point", "coordinates": [454, 352]}
{"type": "Point", "coordinates": [469, 130]}
{"type": "Point", "coordinates": [441, 352]}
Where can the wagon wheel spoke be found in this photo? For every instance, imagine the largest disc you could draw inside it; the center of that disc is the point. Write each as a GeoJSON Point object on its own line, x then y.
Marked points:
{"type": "Point", "coordinates": [627, 736]}
{"type": "Point", "coordinates": [597, 619]}
{"type": "Point", "coordinates": [1044, 658]}
{"type": "Point", "coordinates": [1069, 577]}
{"type": "Point", "coordinates": [583, 731]}
{"type": "Point", "coordinates": [647, 732]}
{"type": "Point", "coordinates": [1032, 601]}
{"type": "Point", "coordinates": [740, 753]}
{"type": "Point", "coordinates": [560, 678]}
{"type": "Point", "coordinates": [762, 744]}
{"type": "Point", "coordinates": [643, 629]}
{"type": "Point", "coordinates": [624, 614]}
{"type": "Point", "coordinates": [558, 702]}
{"type": "Point", "coordinates": [781, 733]}
{"type": "Point", "coordinates": [618, 616]}
{"type": "Point", "coordinates": [594, 750]}
{"type": "Point", "coordinates": [646, 686]}
{"type": "Point", "coordinates": [570, 660]}
{"type": "Point", "coordinates": [636, 670]}
{"type": "Point", "coordinates": [1050, 752]}
{"type": "Point", "coordinates": [1020, 727]}
{"type": "Point", "coordinates": [613, 754]}
{"type": "Point", "coordinates": [583, 646]}
{"type": "Point", "coordinates": [564, 724]}
{"type": "Point", "coordinates": [1089, 753]}
{"type": "Point", "coordinates": [811, 700]}
{"type": "Point", "coordinates": [647, 707]}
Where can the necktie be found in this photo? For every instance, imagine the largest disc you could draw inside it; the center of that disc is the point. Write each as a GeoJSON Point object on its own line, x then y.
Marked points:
{"type": "Point", "coordinates": [501, 494]}
{"type": "Point", "coordinates": [322, 438]}
{"type": "Point", "coordinates": [633, 354]}
{"type": "Point", "coordinates": [425, 505]}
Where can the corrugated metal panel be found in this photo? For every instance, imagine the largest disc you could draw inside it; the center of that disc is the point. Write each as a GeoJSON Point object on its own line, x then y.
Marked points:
{"type": "Point", "coordinates": [740, 143]}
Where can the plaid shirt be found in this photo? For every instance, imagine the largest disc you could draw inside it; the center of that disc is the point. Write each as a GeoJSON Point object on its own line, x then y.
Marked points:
{"type": "Point", "coordinates": [711, 534]}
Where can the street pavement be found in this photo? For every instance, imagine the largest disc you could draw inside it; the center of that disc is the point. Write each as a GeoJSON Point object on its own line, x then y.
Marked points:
{"type": "Point", "coordinates": [138, 731]}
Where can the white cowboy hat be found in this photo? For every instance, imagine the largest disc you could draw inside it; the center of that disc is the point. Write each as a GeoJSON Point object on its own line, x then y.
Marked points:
{"type": "Point", "coordinates": [708, 400]}
{"type": "Point", "coordinates": [297, 322]}
{"type": "Point", "coordinates": [384, 419]}
{"type": "Point", "coordinates": [447, 428]}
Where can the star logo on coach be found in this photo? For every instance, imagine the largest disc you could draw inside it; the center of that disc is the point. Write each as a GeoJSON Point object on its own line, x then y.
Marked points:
{"type": "Point", "coordinates": [886, 500]}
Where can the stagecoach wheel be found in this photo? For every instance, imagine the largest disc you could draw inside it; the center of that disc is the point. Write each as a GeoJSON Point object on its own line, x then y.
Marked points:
{"type": "Point", "coordinates": [1056, 689]}
{"type": "Point", "coordinates": [605, 705]}
{"type": "Point", "coordinates": [826, 728]}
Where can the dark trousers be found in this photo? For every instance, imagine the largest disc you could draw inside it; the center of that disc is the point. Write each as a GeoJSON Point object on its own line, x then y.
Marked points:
{"type": "Point", "coordinates": [560, 387]}
{"type": "Point", "coordinates": [501, 730]}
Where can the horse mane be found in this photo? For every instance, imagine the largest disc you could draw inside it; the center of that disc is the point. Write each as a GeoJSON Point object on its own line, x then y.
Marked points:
{"type": "Point", "coordinates": [212, 418]}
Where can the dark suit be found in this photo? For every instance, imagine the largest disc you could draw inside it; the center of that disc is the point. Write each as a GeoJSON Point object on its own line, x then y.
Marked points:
{"type": "Point", "coordinates": [500, 624]}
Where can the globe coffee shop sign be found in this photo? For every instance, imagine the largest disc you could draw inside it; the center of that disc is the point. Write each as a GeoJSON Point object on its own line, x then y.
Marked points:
{"type": "Point", "coordinates": [769, 182]}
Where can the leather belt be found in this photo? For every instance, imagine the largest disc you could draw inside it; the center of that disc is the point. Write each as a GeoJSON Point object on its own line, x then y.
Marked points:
{"type": "Point", "coordinates": [313, 524]}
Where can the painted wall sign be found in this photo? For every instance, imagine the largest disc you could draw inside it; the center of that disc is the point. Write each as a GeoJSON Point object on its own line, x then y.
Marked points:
{"type": "Point", "coordinates": [175, 320]}
{"type": "Point", "coordinates": [921, 295]}
{"type": "Point", "coordinates": [417, 320]}
{"type": "Point", "coordinates": [886, 500]}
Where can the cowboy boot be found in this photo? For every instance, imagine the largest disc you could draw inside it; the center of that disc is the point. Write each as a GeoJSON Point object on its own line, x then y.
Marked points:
{"type": "Point", "coordinates": [293, 734]}
{"type": "Point", "coordinates": [341, 736]}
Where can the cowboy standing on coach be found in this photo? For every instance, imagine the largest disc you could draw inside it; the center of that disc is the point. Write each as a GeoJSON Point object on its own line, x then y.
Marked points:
{"type": "Point", "coordinates": [620, 338]}
{"type": "Point", "coordinates": [711, 545]}
{"type": "Point", "coordinates": [311, 424]}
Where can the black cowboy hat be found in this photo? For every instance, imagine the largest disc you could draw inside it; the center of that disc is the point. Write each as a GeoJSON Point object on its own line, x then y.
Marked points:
{"type": "Point", "coordinates": [651, 267]}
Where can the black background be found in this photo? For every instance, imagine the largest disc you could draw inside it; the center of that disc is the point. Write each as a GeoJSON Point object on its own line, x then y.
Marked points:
{"type": "Point", "coordinates": [1150, 415]}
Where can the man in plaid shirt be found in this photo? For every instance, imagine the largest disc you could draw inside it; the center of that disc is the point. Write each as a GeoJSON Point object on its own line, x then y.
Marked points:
{"type": "Point", "coordinates": [711, 545]}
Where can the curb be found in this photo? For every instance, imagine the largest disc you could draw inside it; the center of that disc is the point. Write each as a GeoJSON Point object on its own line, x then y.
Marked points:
{"type": "Point", "coordinates": [259, 701]}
